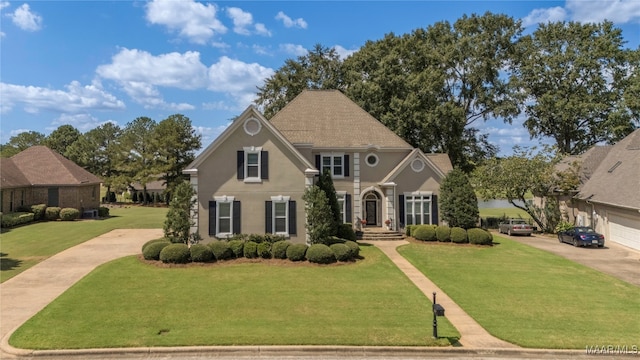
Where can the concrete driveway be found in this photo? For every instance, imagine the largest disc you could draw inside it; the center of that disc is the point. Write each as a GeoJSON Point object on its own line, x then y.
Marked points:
{"type": "Point", "coordinates": [613, 259]}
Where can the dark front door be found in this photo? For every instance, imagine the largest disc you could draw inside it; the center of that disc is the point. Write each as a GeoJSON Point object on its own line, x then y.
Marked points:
{"type": "Point", "coordinates": [372, 212]}
{"type": "Point", "coordinates": [53, 197]}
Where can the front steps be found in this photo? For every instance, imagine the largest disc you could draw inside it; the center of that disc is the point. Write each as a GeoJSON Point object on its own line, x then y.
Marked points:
{"type": "Point", "coordinates": [378, 233]}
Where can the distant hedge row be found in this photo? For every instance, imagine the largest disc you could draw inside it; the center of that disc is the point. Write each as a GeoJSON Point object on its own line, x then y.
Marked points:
{"type": "Point", "coordinates": [443, 233]}
{"type": "Point", "coordinates": [27, 214]}
{"type": "Point", "coordinates": [220, 250]}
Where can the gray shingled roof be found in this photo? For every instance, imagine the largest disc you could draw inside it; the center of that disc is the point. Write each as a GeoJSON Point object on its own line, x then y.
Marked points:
{"type": "Point", "coordinates": [329, 119]}
{"type": "Point", "coordinates": [616, 180]}
{"type": "Point", "coordinates": [588, 161]}
{"type": "Point", "coordinates": [10, 175]}
{"type": "Point", "coordinates": [39, 165]}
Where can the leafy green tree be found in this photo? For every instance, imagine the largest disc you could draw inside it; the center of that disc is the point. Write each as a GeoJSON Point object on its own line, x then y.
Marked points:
{"type": "Point", "coordinates": [515, 177]}
{"type": "Point", "coordinates": [21, 142]}
{"type": "Point", "coordinates": [139, 149]}
{"type": "Point", "coordinates": [62, 138]}
{"type": "Point", "coordinates": [177, 143]}
{"type": "Point", "coordinates": [576, 77]}
{"type": "Point", "coordinates": [178, 222]}
{"type": "Point", "coordinates": [325, 183]}
{"type": "Point", "coordinates": [321, 68]}
{"type": "Point", "coordinates": [319, 222]}
{"type": "Point", "coordinates": [458, 202]}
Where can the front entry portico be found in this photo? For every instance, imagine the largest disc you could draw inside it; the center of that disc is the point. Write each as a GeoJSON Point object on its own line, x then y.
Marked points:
{"type": "Point", "coordinates": [372, 208]}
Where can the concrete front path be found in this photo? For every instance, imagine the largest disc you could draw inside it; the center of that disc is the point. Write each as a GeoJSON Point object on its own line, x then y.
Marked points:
{"type": "Point", "coordinates": [472, 335]}
{"type": "Point", "coordinates": [24, 295]}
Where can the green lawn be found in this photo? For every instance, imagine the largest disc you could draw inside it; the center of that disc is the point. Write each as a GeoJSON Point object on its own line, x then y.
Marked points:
{"type": "Point", "coordinates": [127, 303]}
{"type": "Point", "coordinates": [25, 246]}
{"type": "Point", "coordinates": [511, 212]}
{"type": "Point", "coordinates": [531, 297]}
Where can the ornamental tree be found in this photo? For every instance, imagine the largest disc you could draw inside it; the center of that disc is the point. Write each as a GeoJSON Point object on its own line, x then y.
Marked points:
{"type": "Point", "coordinates": [319, 222]}
{"type": "Point", "coordinates": [458, 201]}
{"type": "Point", "coordinates": [178, 222]}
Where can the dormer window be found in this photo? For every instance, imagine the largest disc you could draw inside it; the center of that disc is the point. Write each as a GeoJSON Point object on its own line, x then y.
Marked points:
{"type": "Point", "coordinates": [336, 163]}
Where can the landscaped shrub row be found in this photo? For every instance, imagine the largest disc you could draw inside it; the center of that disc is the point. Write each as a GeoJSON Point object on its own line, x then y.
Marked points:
{"type": "Point", "coordinates": [163, 250]}
{"type": "Point", "coordinates": [15, 219]}
{"type": "Point", "coordinates": [446, 234]}
{"type": "Point", "coordinates": [27, 214]}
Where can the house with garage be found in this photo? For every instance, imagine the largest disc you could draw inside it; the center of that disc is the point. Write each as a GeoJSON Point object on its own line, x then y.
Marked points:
{"type": "Point", "coordinates": [39, 175]}
{"type": "Point", "coordinates": [251, 179]}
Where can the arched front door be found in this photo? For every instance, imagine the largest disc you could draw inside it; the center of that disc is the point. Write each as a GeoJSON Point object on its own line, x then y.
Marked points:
{"type": "Point", "coordinates": [372, 208]}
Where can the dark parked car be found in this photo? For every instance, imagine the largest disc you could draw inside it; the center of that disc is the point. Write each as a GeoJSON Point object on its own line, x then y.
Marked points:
{"type": "Point", "coordinates": [581, 236]}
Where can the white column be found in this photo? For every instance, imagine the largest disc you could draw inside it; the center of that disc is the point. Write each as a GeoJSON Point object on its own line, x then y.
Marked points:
{"type": "Point", "coordinates": [309, 175]}
{"type": "Point", "coordinates": [390, 196]}
{"type": "Point", "coordinates": [357, 200]}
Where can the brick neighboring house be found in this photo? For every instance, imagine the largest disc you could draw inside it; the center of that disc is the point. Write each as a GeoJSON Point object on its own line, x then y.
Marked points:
{"type": "Point", "coordinates": [39, 175]}
{"type": "Point", "coordinates": [251, 179]}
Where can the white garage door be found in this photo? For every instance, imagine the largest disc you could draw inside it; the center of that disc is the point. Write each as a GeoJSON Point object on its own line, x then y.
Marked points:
{"type": "Point", "coordinates": [625, 231]}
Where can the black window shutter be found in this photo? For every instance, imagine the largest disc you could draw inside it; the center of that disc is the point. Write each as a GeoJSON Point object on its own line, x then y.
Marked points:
{"type": "Point", "coordinates": [346, 165]}
{"type": "Point", "coordinates": [268, 217]}
{"type": "Point", "coordinates": [348, 212]}
{"type": "Point", "coordinates": [401, 208]}
{"type": "Point", "coordinates": [264, 165]}
{"type": "Point", "coordinates": [212, 218]}
{"type": "Point", "coordinates": [318, 163]}
{"type": "Point", "coordinates": [292, 218]}
{"type": "Point", "coordinates": [240, 164]}
{"type": "Point", "coordinates": [236, 217]}
{"type": "Point", "coordinates": [434, 209]}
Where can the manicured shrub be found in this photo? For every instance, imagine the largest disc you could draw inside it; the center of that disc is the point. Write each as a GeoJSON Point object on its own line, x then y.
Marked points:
{"type": "Point", "coordinates": [69, 214]}
{"type": "Point", "coordinates": [354, 248]}
{"type": "Point", "coordinates": [273, 238]}
{"type": "Point", "coordinates": [424, 232]}
{"type": "Point", "coordinates": [144, 246]}
{"type": "Point", "coordinates": [459, 235]}
{"type": "Point", "coordinates": [443, 233]}
{"type": "Point", "coordinates": [175, 254]}
{"type": "Point", "coordinates": [200, 253]}
{"type": "Point", "coordinates": [152, 251]}
{"type": "Point", "coordinates": [341, 251]}
{"type": "Point", "coordinates": [408, 230]}
{"type": "Point", "coordinates": [297, 252]}
{"type": "Point", "coordinates": [52, 213]}
{"type": "Point", "coordinates": [221, 250]}
{"type": "Point", "coordinates": [251, 249]}
{"type": "Point", "coordinates": [345, 231]}
{"type": "Point", "coordinates": [320, 254]}
{"type": "Point", "coordinates": [256, 238]}
{"type": "Point", "coordinates": [38, 211]}
{"type": "Point", "coordinates": [237, 247]}
{"type": "Point", "coordinates": [264, 250]}
{"type": "Point", "coordinates": [15, 219]}
{"type": "Point", "coordinates": [479, 236]}
{"type": "Point", "coordinates": [103, 211]}
{"type": "Point", "coordinates": [279, 249]}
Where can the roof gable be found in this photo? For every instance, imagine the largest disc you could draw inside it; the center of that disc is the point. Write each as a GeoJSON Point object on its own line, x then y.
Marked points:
{"type": "Point", "coordinates": [250, 112]}
{"type": "Point", "coordinates": [441, 169]}
{"type": "Point", "coordinates": [329, 119]}
{"type": "Point", "coordinates": [40, 165]}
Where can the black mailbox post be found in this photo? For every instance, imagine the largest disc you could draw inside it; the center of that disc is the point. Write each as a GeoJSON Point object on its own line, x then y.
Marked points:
{"type": "Point", "coordinates": [438, 310]}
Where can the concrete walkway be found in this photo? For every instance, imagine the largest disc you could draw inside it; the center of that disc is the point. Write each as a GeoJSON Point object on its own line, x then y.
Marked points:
{"type": "Point", "coordinates": [472, 335]}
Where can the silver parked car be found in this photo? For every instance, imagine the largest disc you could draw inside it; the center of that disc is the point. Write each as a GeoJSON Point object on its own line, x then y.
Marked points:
{"type": "Point", "coordinates": [515, 227]}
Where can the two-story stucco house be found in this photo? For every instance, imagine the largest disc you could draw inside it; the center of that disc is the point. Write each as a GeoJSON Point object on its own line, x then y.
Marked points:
{"type": "Point", "coordinates": [251, 179]}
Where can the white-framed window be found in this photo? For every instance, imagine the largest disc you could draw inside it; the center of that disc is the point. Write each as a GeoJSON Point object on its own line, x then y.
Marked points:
{"type": "Point", "coordinates": [342, 203]}
{"type": "Point", "coordinates": [280, 211]}
{"type": "Point", "coordinates": [252, 164]}
{"type": "Point", "coordinates": [224, 216]}
{"type": "Point", "coordinates": [417, 208]}
{"type": "Point", "coordinates": [417, 165]}
{"type": "Point", "coordinates": [334, 163]}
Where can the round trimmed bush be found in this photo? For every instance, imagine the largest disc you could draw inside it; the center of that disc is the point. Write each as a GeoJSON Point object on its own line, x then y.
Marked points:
{"type": "Point", "coordinates": [175, 254]}
{"type": "Point", "coordinates": [69, 214]}
{"type": "Point", "coordinates": [408, 230]}
{"type": "Point", "coordinates": [297, 252]}
{"type": "Point", "coordinates": [459, 235]}
{"type": "Point", "coordinates": [251, 250]}
{"type": "Point", "coordinates": [424, 232]}
{"type": "Point", "coordinates": [320, 254]}
{"type": "Point", "coordinates": [256, 238]}
{"type": "Point", "coordinates": [354, 248]}
{"type": "Point", "coordinates": [162, 239]}
{"type": "Point", "coordinates": [345, 231]}
{"type": "Point", "coordinates": [103, 212]}
{"type": "Point", "coordinates": [237, 247]}
{"type": "Point", "coordinates": [264, 250]}
{"type": "Point", "coordinates": [200, 253]}
{"type": "Point", "coordinates": [479, 236]}
{"type": "Point", "coordinates": [221, 250]}
{"type": "Point", "coordinates": [279, 249]}
{"type": "Point", "coordinates": [443, 233]}
{"type": "Point", "coordinates": [52, 213]}
{"type": "Point", "coordinates": [152, 251]}
{"type": "Point", "coordinates": [38, 211]}
{"type": "Point", "coordinates": [341, 251]}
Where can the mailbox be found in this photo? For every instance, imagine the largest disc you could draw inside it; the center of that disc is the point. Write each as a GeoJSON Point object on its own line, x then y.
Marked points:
{"type": "Point", "coordinates": [438, 310]}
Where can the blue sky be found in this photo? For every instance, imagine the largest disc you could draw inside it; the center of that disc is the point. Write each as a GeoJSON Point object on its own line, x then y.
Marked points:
{"type": "Point", "coordinates": [85, 63]}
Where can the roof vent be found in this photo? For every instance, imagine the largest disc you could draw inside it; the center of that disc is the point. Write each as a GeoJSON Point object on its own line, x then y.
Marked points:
{"type": "Point", "coordinates": [614, 167]}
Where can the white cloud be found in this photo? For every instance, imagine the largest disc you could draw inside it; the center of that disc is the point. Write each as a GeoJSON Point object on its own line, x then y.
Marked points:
{"type": "Point", "coordinates": [539, 16]}
{"type": "Point", "coordinates": [209, 133]}
{"type": "Point", "coordinates": [289, 22]}
{"type": "Point", "coordinates": [82, 122]}
{"type": "Point", "coordinates": [243, 22]}
{"type": "Point", "coordinates": [4, 4]}
{"type": "Point", "coordinates": [618, 11]}
{"type": "Point", "coordinates": [238, 79]}
{"type": "Point", "coordinates": [24, 18]}
{"type": "Point", "coordinates": [192, 20]}
{"type": "Point", "coordinates": [262, 30]}
{"type": "Point", "coordinates": [342, 52]}
{"type": "Point", "coordinates": [74, 99]}
{"type": "Point", "coordinates": [293, 49]}
{"type": "Point", "coordinates": [262, 50]}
